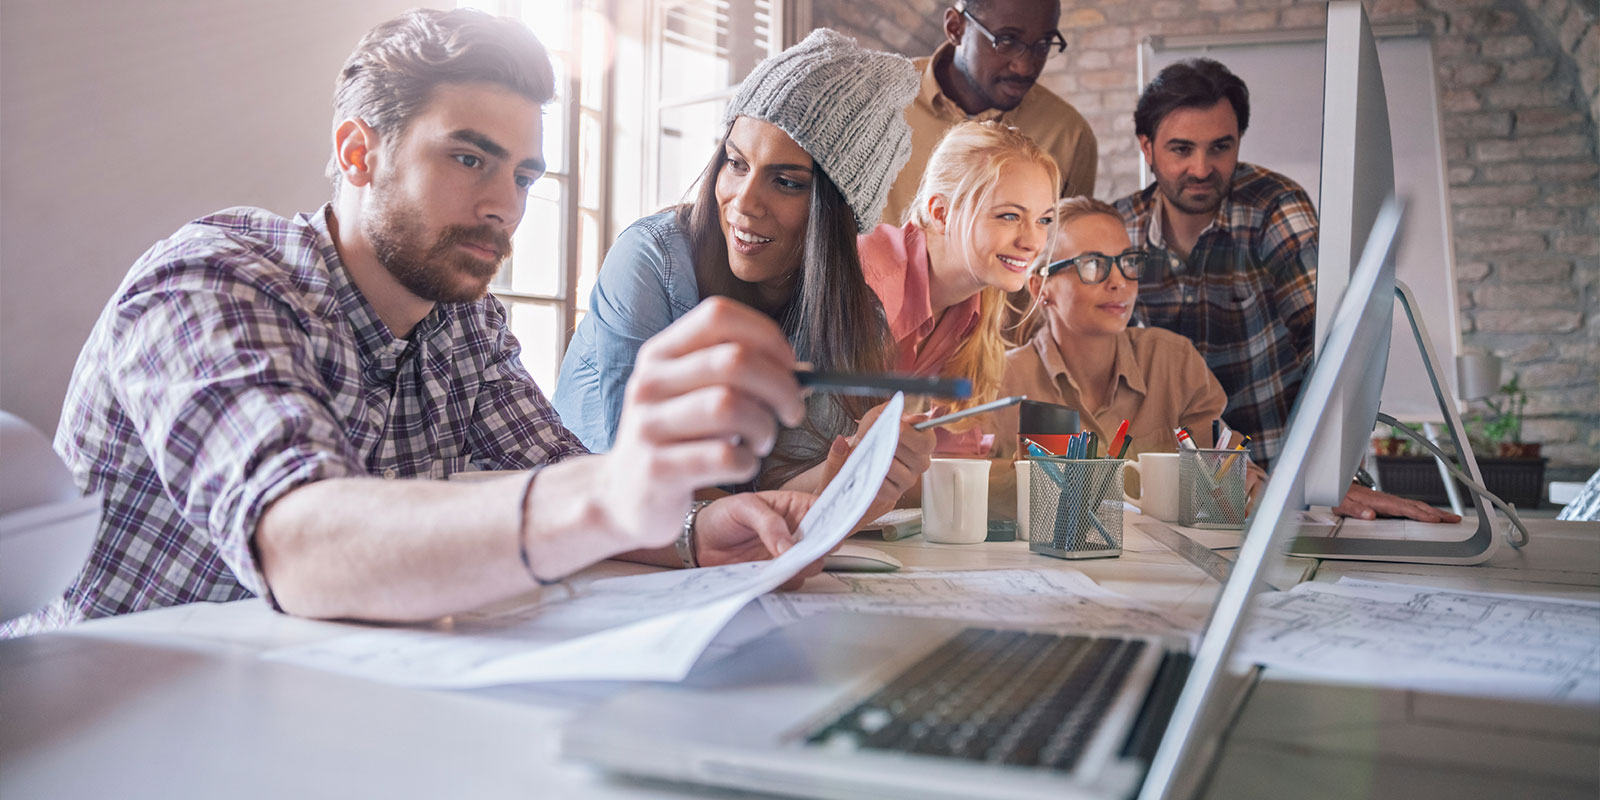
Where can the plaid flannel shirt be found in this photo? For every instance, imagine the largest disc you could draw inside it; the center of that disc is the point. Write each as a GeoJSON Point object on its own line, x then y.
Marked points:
{"type": "Point", "coordinates": [1246, 296]}
{"type": "Point", "coordinates": [237, 362]}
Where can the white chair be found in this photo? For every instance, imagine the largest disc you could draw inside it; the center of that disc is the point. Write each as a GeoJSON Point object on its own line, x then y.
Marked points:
{"type": "Point", "coordinates": [47, 527]}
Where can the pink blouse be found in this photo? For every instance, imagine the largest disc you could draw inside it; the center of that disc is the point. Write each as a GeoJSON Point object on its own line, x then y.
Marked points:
{"type": "Point", "coordinates": [895, 263]}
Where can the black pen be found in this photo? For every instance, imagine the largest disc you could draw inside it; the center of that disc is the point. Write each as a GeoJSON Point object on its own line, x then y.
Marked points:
{"type": "Point", "coordinates": [883, 385]}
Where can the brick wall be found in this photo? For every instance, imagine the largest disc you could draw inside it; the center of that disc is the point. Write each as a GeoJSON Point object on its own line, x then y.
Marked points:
{"type": "Point", "coordinates": [1520, 91]}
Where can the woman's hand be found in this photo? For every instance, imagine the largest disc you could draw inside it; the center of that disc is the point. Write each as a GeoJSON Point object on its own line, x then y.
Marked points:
{"type": "Point", "coordinates": [911, 458]}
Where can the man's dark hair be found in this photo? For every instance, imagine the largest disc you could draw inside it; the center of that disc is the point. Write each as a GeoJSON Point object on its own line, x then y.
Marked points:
{"type": "Point", "coordinates": [1194, 83]}
{"type": "Point", "coordinates": [387, 80]}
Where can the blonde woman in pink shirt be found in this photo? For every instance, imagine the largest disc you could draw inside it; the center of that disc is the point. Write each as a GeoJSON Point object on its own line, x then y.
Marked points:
{"type": "Point", "coordinates": [980, 223]}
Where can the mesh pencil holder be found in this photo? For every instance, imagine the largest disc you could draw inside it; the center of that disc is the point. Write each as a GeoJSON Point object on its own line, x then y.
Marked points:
{"type": "Point", "coordinates": [1075, 507]}
{"type": "Point", "coordinates": [1211, 488]}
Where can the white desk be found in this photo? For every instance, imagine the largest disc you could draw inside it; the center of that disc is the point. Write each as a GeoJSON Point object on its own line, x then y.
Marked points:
{"type": "Point", "coordinates": [175, 703]}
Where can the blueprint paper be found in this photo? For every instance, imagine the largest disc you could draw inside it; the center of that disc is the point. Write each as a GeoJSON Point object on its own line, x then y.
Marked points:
{"type": "Point", "coordinates": [1428, 638]}
{"type": "Point", "coordinates": [1064, 599]}
{"type": "Point", "coordinates": [639, 627]}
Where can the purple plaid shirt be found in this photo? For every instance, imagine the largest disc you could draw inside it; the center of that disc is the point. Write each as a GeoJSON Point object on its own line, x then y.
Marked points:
{"type": "Point", "coordinates": [1246, 296]}
{"type": "Point", "coordinates": [238, 361]}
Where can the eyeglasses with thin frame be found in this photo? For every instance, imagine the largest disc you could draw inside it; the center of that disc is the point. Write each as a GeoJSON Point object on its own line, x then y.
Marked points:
{"type": "Point", "coordinates": [1008, 46]}
{"type": "Point", "coordinates": [1095, 267]}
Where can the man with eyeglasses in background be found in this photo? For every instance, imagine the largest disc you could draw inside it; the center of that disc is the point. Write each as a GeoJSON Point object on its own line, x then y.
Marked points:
{"type": "Point", "coordinates": [987, 69]}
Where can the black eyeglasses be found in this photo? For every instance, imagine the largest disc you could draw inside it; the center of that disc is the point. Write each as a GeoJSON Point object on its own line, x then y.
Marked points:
{"type": "Point", "coordinates": [1096, 267]}
{"type": "Point", "coordinates": [1009, 46]}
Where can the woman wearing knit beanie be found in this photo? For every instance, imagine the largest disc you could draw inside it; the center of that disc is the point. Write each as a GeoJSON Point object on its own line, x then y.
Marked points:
{"type": "Point", "coordinates": [981, 220]}
{"type": "Point", "coordinates": [815, 136]}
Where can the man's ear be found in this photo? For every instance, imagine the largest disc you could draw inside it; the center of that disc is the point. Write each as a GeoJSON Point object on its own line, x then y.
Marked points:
{"type": "Point", "coordinates": [954, 26]}
{"type": "Point", "coordinates": [355, 148]}
{"type": "Point", "coordinates": [1148, 148]}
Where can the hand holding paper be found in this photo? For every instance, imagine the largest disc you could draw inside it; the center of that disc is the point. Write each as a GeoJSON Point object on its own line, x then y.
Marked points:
{"type": "Point", "coordinates": [642, 627]}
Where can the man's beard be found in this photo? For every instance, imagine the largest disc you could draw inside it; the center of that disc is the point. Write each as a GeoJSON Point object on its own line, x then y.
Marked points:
{"type": "Point", "coordinates": [435, 273]}
{"type": "Point", "coordinates": [1222, 186]}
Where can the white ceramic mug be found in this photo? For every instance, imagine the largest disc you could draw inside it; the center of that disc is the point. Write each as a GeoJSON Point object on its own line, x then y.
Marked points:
{"type": "Point", "coordinates": [1158, 485]}
{"type": "Point", "coordinates": [1024, 499]}
{"type": "Point", "coordinates": [955, 501]}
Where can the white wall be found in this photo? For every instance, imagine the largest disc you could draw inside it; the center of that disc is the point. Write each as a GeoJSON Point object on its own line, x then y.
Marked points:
{"type": "Point", "coordinates": [119, 122]}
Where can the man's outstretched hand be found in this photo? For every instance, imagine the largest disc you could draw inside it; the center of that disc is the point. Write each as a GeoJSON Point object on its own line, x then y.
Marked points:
{"type": "Point", "coordinates": [1363, 503]}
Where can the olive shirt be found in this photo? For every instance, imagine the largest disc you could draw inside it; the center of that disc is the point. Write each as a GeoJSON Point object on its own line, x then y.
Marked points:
{"type": "Point", "coordinates": [1047, 119]}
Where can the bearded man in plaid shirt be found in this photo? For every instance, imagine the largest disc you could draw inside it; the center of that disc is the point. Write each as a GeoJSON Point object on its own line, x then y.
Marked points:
{"type": "Point", "coordinates": [1239, 272]}
{"type": "Point", "coordinates": [257, 390]}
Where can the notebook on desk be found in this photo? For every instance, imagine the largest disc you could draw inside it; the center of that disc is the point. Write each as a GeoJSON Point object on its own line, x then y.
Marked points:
{"type": "Point", "coordinates": [846, 707]}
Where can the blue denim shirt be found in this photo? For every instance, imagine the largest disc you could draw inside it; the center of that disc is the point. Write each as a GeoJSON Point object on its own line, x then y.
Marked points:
{"type": "Point", "coordinates": [646, 282]}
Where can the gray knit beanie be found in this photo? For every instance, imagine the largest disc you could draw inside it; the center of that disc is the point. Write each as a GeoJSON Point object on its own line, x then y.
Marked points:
{"type": "Point", "coordinates": [845, 105]}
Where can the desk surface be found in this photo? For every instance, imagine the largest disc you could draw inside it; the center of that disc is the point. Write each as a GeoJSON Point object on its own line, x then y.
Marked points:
{"type": "Point", "coordinates": [175, 702]}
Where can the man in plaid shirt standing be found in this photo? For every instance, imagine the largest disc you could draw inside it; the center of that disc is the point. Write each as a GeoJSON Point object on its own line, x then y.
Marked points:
{"type": "Point", "coordinates": [1238, 275]}
{"type": "Point", "coordinates": [256, 387]}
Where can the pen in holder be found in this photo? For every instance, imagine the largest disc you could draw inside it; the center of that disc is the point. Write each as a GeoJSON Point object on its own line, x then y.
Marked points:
{"type": "Point", "coordinates": [1075, 507]}
{"type": "Point", "coordinates": [1211, 488]}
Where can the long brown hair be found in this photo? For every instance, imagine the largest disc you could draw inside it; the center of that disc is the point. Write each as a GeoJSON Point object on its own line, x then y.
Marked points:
{"type": "Point", "coordinates": [832, 317]}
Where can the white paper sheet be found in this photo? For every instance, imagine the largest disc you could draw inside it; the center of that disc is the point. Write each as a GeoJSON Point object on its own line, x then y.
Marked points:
{"type": "Point", "coordinates": [640, 627]}
{"type": "Point", "coordinates": [1428, 638]}
{"type": "Point", "coordinates": [1054, 598]}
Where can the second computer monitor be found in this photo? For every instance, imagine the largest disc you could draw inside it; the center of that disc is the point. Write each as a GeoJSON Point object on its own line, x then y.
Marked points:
{"type": "Point", "coordinates": [1357, 177]}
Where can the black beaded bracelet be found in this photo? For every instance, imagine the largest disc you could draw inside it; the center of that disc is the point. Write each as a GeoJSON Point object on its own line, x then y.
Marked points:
{"type": "Point", "coordinates": [522, 528]}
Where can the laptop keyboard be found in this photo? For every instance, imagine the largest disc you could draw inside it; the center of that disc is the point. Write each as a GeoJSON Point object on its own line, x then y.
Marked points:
{"type": "Point", "coordinates": [1004, 697]}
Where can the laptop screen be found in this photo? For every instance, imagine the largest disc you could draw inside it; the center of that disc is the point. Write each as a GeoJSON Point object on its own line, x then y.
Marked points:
{"type": "Point", "coordinates": [1204, 702]}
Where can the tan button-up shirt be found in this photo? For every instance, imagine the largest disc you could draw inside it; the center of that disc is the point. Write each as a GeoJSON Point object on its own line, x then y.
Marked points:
{"type": "Point", "coordinates": [1046, 118]}
{"type": "Point", "coordinates": [1161, 383]}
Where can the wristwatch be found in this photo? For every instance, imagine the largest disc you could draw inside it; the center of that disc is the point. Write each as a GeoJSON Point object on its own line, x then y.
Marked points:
{"type": "Point", "coordinates": [685, 543]}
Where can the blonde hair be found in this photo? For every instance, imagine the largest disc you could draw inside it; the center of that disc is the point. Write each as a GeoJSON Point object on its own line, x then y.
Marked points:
{"type": "Point", "coordinates": [1068, 210]}
{"type": "Point", "coordinates": [965, 170]}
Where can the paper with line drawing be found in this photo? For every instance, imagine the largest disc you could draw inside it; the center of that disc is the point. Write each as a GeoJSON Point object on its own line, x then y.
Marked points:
{"type": "Point", "coordinates": [1052, 598]}
{"type": "Point", "coordinates": [1424, 637]}
{"type": "Point", "coordinates": [640, 627]}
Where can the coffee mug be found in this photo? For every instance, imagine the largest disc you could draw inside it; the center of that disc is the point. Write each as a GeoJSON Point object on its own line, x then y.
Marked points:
{"type": "Point", "coordinates": [1158, 485]}
{"type": "Point", "coordinates": [955, 501]}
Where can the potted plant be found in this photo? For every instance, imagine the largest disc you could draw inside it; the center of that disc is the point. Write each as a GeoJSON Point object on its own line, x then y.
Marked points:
{"type": "Point", "coordinates": [1500, 432]}
{"type": "Point", "coordinates": [1511, 468]}
{"type": "Point", "coordinates": [1393, 444]}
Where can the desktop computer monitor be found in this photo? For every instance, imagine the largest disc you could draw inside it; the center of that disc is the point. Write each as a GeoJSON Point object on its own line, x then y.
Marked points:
{"type": "Point", "coordinates": [1357, 177]}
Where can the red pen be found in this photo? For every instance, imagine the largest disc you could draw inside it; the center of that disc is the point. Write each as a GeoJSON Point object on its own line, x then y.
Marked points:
{"type": "Point", "coordinates": [1116, 439]}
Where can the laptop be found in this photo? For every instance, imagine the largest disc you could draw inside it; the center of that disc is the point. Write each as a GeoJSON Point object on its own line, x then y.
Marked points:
{"type": "Point", "coordinates": [852, 706]}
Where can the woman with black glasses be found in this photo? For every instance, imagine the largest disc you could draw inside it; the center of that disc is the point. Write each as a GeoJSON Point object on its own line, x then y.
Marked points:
{"type": "Point", "coordinates": [1084, 355]}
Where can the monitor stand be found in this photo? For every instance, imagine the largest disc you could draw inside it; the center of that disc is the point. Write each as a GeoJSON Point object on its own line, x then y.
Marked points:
{"type": "Point", "coordinates": [1476, 548]}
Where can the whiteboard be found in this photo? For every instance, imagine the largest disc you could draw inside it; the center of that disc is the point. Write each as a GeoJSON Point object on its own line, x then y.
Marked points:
{"type": "Point", "coordinates": [1285, 135]}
